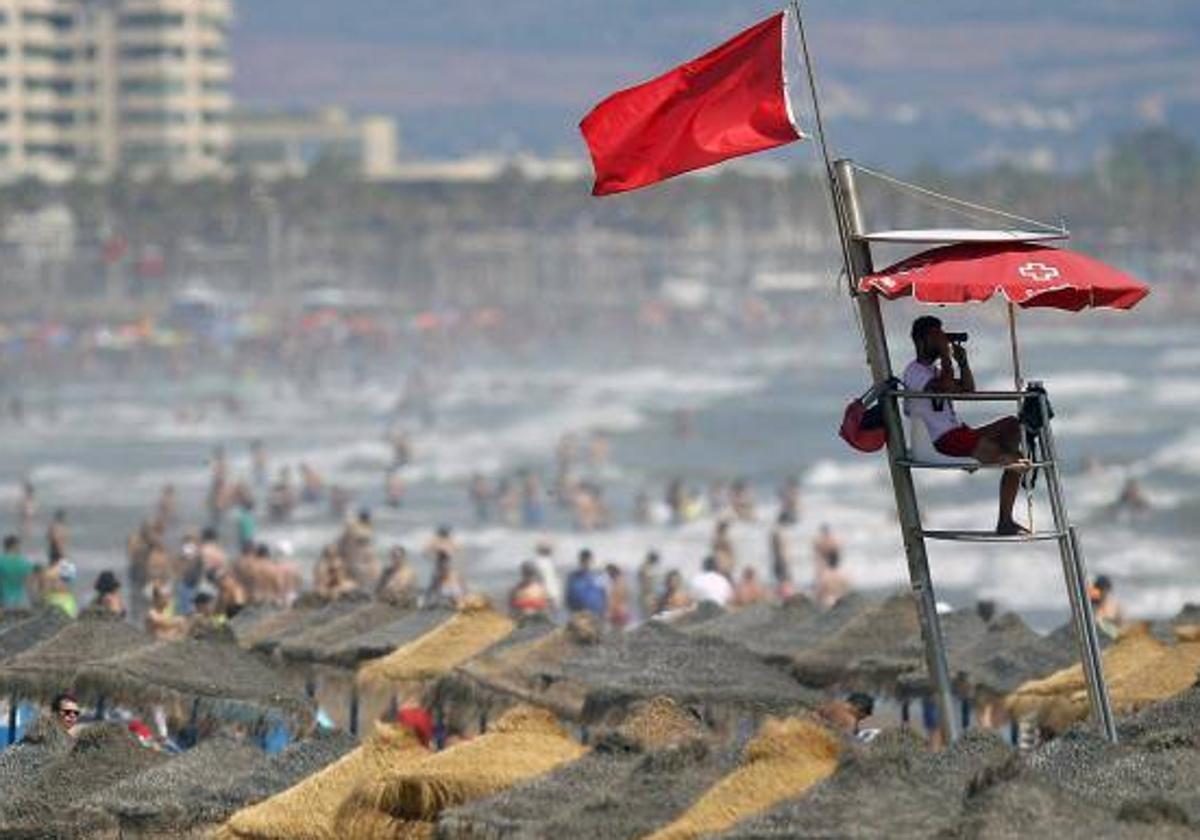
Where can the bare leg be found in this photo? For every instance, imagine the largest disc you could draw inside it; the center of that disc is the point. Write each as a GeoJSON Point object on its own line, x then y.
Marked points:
{"type": "Point", "coordinates": [1000, 443]}
{"type": "Point", "coordinates": [1010, 485]}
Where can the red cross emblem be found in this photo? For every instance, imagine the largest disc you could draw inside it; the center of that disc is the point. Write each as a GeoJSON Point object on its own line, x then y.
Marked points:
{"type": "Point", "coordinates": [1038, 272]}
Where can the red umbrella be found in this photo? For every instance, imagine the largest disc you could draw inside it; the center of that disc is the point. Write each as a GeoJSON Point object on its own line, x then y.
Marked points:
{"type": "Point", "coordinates": [1027, 275]}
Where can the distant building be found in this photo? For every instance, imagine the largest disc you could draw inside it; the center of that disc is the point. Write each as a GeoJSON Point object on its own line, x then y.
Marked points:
{"type": "Point", "coordinates": [91, 87]}
{"type": "Point", "coordinates": [273, 144]}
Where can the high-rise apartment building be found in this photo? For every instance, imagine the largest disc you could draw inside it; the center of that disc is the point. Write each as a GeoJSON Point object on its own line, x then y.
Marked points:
{"type": "Point", "coordinates": [91, 87]}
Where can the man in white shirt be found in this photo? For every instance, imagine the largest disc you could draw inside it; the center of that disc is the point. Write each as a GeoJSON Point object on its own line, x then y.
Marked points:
{"type": "Point", "coordinates": [711, 585]}
{"type": "Point", "coordinates": [999, 442]}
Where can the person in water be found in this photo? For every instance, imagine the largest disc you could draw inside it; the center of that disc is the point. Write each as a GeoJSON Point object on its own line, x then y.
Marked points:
{"type": "Point", "coordinates": [999, 442]}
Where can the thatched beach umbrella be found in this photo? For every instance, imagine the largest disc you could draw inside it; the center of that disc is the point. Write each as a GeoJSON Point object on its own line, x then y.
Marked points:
{"type": "Point", "coordinates": [43, 743]}
{"type": "Point", "coordinates": [177, 798]}
{"type": "Point", "coordinates": [321, 641]}
{"type": "Point", "coordinates": [1160, 675]}
{"type": "Point", "coordinates": [53, 803]}
{"type": "Point", "coordinates": [191, 794]}
{"type": "Point", "coordinates": [20, 631]}
{"type": "Point", "coordinates": [53, 664]}
{"type": "Point", "coordinates": [993, 661]}
{"type": "Point", "coordinates": [306, 811]}
{"type": "Point", "coordinates": [1139, 667]}
{"type": "Point", "coordinates": [1110, 776]}
{"type": "Point", "coordinates": [1176, 720]}
{"type": "Point", "coordinates": [785, 759]}
{"type": "Point", "coordinates": [893, 788]}
{"type": "Point", "coordinates": [640, 777]}
{"type": "Point", "coordinates": [383, 639]}
{"type": "Point", "coordinates": [870, 651]}
{"type": "Point", "coordinates": [326, 656]}
{"type": "Point", "coordinates": [777, 633]}
{"type": "Point", "coordinates": [464, 635]}
{"type": "Point", "coordinates": [525, 743]}
{"type": "Point", "coordinates": [525, 667]}
{"type": "Point", "coordinates": [266, 629]}
{"type": "Point", "coordinates": [717, 677]}
{"type": "Point", "coordinates": [1018, 801]}
{"type": "Point", "coordinates": [276, 773]}
{"type": "Point", "coordinates": [205, 678]}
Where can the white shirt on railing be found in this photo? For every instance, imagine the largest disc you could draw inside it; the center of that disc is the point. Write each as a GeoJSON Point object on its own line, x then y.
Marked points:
{"type": "Point", "coordinates": [938, 415]}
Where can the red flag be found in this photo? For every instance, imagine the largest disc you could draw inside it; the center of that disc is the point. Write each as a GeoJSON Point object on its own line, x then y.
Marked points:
{"type": "Point", "coordinates": [726, 103]}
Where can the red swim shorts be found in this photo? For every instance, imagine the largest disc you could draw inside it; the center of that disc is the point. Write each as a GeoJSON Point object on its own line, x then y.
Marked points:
{"type": "Point", "coordinates": [958, 443]}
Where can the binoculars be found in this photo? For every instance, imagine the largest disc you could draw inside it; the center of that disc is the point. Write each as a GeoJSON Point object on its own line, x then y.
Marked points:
{"type": "Point", "coordinates": [956, 338]}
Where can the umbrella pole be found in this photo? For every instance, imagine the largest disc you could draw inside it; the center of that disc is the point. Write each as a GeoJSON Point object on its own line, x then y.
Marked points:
{"type": "Point", "coordinates": [1018, 382]}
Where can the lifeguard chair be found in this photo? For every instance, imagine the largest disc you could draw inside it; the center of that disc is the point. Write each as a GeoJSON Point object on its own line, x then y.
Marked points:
{"type": "Point", "coordinates": [970, 266]}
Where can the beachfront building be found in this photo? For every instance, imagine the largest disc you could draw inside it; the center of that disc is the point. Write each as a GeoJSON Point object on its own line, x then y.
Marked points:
{"type": "Point", "coordinates": [92, 87]}
{"type": "Point", "coordinates": [275, 144]}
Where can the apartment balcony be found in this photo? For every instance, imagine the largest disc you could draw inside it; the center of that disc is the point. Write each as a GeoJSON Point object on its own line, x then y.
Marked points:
{"type": "Point", "coordinates": [219, 8]}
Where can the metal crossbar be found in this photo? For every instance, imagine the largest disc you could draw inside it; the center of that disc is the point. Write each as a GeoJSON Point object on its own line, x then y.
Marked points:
{"type": "Point", "coordinates": [993, 537]}
{"type": "Point", "coordinates": [968, 396]}
{"type": "Point", "coordinates": [931, 465]}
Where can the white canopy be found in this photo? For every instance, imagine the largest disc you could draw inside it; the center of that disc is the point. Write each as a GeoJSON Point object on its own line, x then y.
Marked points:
{"type": "Point", "coordinates": [951, 235]}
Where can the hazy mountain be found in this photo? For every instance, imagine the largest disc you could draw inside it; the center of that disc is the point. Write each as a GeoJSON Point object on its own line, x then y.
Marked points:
{"type": "Point", "coordinates": [961, 82]}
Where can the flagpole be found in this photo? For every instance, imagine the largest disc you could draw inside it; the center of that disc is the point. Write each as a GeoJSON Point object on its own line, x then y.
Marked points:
{"type": "Point", "coordinates": [839, 213]}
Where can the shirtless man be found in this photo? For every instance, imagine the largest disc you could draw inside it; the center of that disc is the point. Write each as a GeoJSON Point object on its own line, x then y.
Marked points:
{"type": "Point", "coordinates": [999, 442]}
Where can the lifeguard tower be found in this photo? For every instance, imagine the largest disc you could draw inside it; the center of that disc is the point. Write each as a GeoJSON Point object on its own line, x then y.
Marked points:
{"type": "Point", "coordinates": [973, 265]}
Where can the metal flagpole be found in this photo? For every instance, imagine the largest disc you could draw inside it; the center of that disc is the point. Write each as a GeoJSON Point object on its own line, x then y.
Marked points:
{"type": "Point", "coordinates": [857, 255]}
{"type": "Point", "coordinates": [839, 214]}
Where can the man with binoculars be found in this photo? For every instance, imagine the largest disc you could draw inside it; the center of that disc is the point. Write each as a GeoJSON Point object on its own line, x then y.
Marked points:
{"type": "Point", "coordinates": [999, 442]}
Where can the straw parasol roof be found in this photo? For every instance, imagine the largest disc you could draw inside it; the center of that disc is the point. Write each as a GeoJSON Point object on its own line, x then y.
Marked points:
{"type": "Point", "coordinates": [525, 667]}
{"type": "Point", "coordinates": [656, 659]}
{"type": "Point", "coordinates": [465, 634]}
{"type": "Point", "coordinates": [383, 639]}
{"type": "Point", "coordinates": [893, 787]}
{"type": "Point", "coordinates": [785, 759]}
{"type": "Point", "coordinates": [20, 630]}
{"type": "Point", "coordinates": [1107, 776]}
{"type": "Point", "coordinates": [53, 664]}
{"type": "Point", "coordinates": [635, 779]}
{"type": "Point", "coordinates": [44, 742]}
{"type": "Point", "coordinates": [178, 796]}
{"type": "Point", "coordinates": [306, 811]}
{"type": "Point", "coordinates": [265, 629]}
{"type": "Point", "coordinates": [525, 743]}
{"type": "Point", "coordinates": [52, 803]}
{"type": "Point", "coordinates": [872, 650]}
{"type": "Point", "coordinates": [1134, 646]}
{"type": "Point", "coordinates": [993, 659]}
{"type": "Point", "coordinates": [1140, 669]}
{"type": "Point", "coordinates": [1175, 720]}
{"type": "Point", "coordinates": [275, 773]}
{"type": "Point", "coordinates": [778, 633]}
{"type": "Point", "coordinates": [1015, 800]}
{"type": "Point", "coordinates": [320, 642]}
{"type": "Point", "coordinates": [213, 679]}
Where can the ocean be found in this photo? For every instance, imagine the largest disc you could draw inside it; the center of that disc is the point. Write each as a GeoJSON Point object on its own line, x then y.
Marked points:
{"type": "Point", "coordinates": [1125, 389]}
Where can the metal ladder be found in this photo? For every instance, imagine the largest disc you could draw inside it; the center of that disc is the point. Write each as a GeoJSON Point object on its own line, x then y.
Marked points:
{"type": "Point", "coordinates": [1063, 532]}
